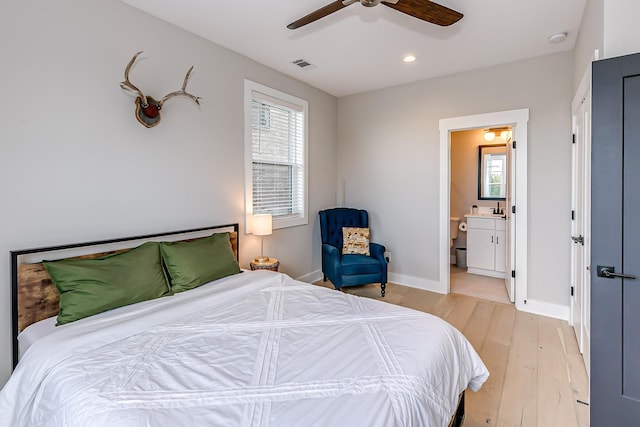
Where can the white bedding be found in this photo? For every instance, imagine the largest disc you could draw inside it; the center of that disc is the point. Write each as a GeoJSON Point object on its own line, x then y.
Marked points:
{"type": "Point", "coordinates": [33, 333]}
{"type": "Point", "coordinates": [253, 349]}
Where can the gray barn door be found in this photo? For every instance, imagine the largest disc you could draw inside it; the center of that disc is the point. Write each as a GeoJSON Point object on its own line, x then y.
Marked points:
{"type": "Point", "coordinates": [615, 228]}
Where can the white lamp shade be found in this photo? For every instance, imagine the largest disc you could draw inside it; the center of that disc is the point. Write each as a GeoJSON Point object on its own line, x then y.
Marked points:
{"type": "Point", "coordinates": [262, 225]}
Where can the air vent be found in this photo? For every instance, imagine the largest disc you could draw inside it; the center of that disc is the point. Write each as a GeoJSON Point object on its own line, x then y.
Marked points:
{"type": "Point", "coordinates": [301, 63]}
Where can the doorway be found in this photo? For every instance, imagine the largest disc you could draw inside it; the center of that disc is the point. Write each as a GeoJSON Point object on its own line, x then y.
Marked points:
{"type": "Point", "coordinates": [517, 120]}
{"type": "Point", "coordinates": [480, 229]}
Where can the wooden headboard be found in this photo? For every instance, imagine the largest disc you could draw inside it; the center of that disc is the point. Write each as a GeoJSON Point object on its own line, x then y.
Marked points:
{"type": "Point", "coordinates": [35, 297]}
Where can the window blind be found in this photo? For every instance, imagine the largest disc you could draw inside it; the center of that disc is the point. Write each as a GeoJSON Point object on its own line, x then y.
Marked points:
{"type": "Point", "coordinates": [277, 153]}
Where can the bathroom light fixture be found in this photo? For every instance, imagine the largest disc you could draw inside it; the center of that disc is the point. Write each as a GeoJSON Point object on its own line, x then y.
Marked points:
{"type": "Point", "coordinates": [490, 134]}
{"type": "Point", "coordinates": [409, 58]}
{"type": "Point", "coordinates": [557, 37]}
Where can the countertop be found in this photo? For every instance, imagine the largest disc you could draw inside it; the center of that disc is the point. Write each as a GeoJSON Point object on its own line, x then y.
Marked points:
{"type": "Point", "coordinates": [478, 215]}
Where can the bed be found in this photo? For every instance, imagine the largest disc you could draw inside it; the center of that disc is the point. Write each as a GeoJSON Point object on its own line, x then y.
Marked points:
{"type": "Point", "coordinates": [256, 348]}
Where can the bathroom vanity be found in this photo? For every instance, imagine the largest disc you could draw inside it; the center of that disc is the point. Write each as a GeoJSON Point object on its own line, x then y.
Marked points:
{"type": "Point", "coordinates": [486, 244]}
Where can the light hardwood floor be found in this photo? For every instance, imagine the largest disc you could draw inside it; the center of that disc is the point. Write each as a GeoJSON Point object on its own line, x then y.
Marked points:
{"type": "Point", "coordinates": [538, 378]}
{"type": "Point", "coordinates": [474, 285]}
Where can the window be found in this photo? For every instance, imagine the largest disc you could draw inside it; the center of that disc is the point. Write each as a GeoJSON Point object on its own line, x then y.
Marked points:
{"type": "Point", "coordinates": [275, 155]}
{"type": "Point", "coordinates": [492, 172]}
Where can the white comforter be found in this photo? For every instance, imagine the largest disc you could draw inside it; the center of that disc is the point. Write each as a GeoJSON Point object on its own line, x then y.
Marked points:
{"type": "Point", "coordinates": [254, 349]}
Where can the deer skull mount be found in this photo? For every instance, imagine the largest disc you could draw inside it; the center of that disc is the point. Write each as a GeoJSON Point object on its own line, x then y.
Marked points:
{"type": "Point", "coordinates": [147, 108]}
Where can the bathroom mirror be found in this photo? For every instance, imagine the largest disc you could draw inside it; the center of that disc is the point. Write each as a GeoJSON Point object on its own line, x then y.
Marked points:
{"type": "Point", "coordinates": [492, 172]}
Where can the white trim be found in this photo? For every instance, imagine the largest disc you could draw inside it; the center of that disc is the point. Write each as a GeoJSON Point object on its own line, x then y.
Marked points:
{"type": "Point", "coordinates": [276, 95]}
{"type": "Point", "coordinates": [415, 282]}
{"type": "Point", "coordinates": [519, 120]}
{"type": "Point", "coordinates": [546, 309]}
{"type": "Point", "coordinates": [314, 276]}
{"type": "Point", "coordinates": [395, 278]}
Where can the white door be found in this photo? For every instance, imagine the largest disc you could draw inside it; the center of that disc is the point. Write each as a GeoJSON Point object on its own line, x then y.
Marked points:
{"type": "Point", "coordinates": [580, 205]}
{"type": "Point", "coordinates": [510, 246]}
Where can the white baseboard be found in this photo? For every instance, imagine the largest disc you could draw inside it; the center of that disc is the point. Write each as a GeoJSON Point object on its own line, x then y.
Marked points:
{"type": "Point", "coordinates": [546, 309]}
{"type": "Point", "coordinates": [398, 279]}
{"type": "Point", "coordinates": [416, 282]}
{"type": "Point", "coordinates": [314, 276]}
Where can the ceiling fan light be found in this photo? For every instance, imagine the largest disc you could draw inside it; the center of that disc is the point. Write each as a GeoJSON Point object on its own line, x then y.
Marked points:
{"type": "Point", "coordinates": [369, 3]}
{"type": "Point", "coordinates": [489, 135]}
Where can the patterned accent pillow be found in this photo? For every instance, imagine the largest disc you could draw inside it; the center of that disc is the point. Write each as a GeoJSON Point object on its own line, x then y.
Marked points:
{"type": "Point", "coordinates": [355, 240]}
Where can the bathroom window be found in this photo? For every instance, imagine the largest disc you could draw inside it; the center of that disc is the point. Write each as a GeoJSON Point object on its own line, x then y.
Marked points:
{"type": "Point", "coordinates": [492, 172]}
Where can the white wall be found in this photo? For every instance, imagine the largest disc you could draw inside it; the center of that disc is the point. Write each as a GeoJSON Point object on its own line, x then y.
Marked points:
{"type": "Point", "coordinates": [621, 29]}
{"type": "Point", "coordinates": [76, 166]}
{"type": "Point", "coordinates": [591, 37]}
{"type": "Point", "coordinates": [611, 27]}
{"type": "Point", "coordinates": [388, 155]}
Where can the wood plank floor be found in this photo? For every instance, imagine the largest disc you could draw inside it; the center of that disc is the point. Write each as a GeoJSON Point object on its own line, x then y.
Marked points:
{"type": "Point", "coordinates": [537, 377]}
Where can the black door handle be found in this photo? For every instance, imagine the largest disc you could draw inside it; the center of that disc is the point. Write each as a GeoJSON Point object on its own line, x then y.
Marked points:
{"type": "Point", "coordinates": [609, 273]}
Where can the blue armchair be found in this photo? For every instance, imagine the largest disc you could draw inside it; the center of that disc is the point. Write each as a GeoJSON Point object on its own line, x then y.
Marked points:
{"type": "Point", "coordinates": [349, 269]}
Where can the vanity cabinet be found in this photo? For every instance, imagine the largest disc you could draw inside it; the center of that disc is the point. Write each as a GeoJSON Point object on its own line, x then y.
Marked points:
{"type": "Point", "coordinates": [486, 246]}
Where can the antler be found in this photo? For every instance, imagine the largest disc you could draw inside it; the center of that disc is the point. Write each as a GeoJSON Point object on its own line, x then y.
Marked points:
{"type": "Point", "coordinates": [183, 91]}
{"type": "Point", "coordinates": [130, 87]}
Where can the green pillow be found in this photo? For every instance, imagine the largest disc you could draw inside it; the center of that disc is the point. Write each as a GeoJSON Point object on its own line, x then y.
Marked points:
{"type": "Point", "coordinates": [91, 286]}
{"type": "Point", "coordinates": [196, 262]}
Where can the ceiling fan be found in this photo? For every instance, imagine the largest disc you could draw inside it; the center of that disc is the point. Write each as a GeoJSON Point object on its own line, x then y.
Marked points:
{"type": "Point", "coordinates": [421, 9]}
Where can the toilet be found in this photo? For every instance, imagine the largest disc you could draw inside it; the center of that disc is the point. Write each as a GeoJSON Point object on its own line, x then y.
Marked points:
{"type": "Point", "coordinates": [454, 222]}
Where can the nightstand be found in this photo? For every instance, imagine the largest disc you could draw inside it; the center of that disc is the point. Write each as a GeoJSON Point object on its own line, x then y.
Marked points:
{"type": "Point", "coordinates": [270, 264]}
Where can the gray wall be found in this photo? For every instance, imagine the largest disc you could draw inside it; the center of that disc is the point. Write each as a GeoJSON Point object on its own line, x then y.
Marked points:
{"type": "Point", "coordinates": [388, 156]}
{"type": "Point", "coordinates": [76, 166]}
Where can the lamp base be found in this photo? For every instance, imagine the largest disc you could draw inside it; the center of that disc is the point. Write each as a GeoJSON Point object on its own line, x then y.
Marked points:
{"type": "Point", "coordinates": [261, 259]}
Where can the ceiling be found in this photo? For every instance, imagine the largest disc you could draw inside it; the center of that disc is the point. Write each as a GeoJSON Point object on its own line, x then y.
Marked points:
{"type": "Point", "coordinates": [358, 49]}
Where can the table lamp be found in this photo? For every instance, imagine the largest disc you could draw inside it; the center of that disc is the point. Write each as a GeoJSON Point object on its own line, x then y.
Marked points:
{"type": "Point", "coordinates": [262, 226]}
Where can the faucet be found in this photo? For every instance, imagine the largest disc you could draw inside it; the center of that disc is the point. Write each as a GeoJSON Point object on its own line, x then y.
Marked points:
{"type": "Point", "coordinates": [497, 209]}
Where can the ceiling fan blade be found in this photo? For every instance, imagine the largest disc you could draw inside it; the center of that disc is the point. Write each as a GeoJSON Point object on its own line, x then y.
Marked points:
{"type": "Point", "coordinates": [320, 13]}
{"type": "Point", "coordinates": [427, 11]}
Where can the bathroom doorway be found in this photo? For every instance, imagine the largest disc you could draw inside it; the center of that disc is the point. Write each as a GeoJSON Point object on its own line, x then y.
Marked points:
{"type": "Point", "coordinates": [480, 172]}
{"type": "Point", "coordinates": [515, 268]}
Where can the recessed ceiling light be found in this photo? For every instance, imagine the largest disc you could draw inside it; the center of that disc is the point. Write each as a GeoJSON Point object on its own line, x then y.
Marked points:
{"type": "Point", "coordinates": [557, 37]}
{"type": "Point", "coordinates": [409, 58]}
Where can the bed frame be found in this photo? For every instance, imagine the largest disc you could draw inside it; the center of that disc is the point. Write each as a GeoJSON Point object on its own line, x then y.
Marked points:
{"type": "Point", "coordinates": [34, 297]}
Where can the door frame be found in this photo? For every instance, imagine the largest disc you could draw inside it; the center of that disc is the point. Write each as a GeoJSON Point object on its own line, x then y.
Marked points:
{"type": "Point", "coordinates": [519, 120]}
{"type": "Point", "coordinates": [583, 95]}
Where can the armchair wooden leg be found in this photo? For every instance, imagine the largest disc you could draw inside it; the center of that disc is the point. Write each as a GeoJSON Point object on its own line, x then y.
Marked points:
{"type": "Point", "coordinates": [382, 288]}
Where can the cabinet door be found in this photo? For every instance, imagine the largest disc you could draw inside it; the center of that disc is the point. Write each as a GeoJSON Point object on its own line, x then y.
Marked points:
{"type": "Point", "coordinates": [480, 248]}
{"type": "Point", "coordinates": [501, 250]}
